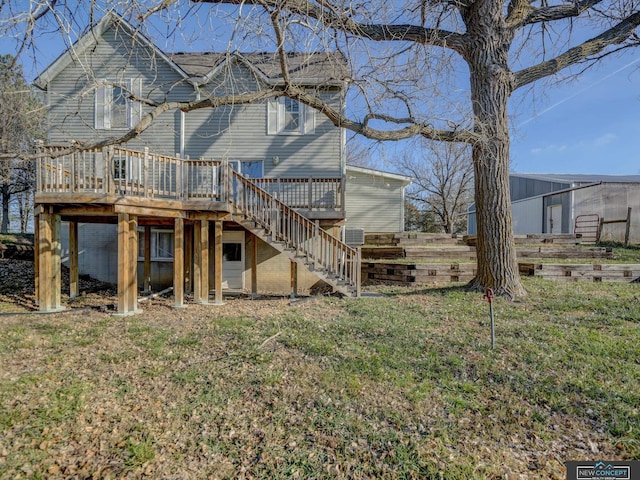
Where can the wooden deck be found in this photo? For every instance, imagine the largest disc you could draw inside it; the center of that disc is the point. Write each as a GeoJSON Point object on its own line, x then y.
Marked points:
{"type": "Point", "coordinates": [138, 189]}
{"type": "Point", "coordinates": [120, 176]}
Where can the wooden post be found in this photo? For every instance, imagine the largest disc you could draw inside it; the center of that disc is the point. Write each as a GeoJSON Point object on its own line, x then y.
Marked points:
{"type": "Point", "coordinates": [217, 245]}
{"type": "Point", "coordinates": [107, 158]}
{"type": "Point", "coordinates": [74, 289]}
{"type": "Point", "coordinates": [317, 243]}
{"type": "Point", "coordinates": [224, 174]}
{"type": "Point", "coordinates": [147, 259]}
{"type": "Point", "coordinates": [310, 199]}
{"type": "Point", "coordinates": [628, 228]}
{"type": "Point", "coordinates": [132, 297]}
{"type": "Point", "coordinates": [179, 190]}
{"type": "Point", "coordinates": [178, 263]}
{"type": "Point", "coordinates": [44, 259]}
{"type": "Point", "coordinates": [188, 259]}
{"type": "Point", "coordinates": [358, 272]}
{"type": "Point", "coordinates": [197, 262]}
{"type": "Point", "coordinates": [72, 172]}
{"type": "Point", "coordinates": [254, 265]}
{"type": "Point", "coordinates": [124, 269]}
{"type": "Point", "coordinates": [600, 227]}
{"type": "Point", "coordinates": [201, 262]}
{"type": "Point", "coordinates": [56, 263]}
{"type": "Point", "coordinates": [294, 279]}
{"type": "Point", "coordinates": [36, 254]}
{"type": "Point", "coordinates": [145, 182]}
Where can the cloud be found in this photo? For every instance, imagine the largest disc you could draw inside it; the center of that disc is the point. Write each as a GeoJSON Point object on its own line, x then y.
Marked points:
{"type": "Point", "coordinates": [552, 148]}
{"type": "Point", "coordinates": [598, 142]}
{"type": "Point", "coordinates": [603, 140]}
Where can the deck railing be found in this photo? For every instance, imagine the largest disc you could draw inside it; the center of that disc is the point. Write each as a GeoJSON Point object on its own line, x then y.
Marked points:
{"type": "Point", "coordinates": [305, 193]}
{"type": "Point", "coordinates": [296, 231]}
{"type": "Point", "coordinates": [120, 171]}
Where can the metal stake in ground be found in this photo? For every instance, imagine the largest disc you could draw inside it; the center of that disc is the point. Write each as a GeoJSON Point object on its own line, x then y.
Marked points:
{"type": "Point", "coordinates": [488, 294]}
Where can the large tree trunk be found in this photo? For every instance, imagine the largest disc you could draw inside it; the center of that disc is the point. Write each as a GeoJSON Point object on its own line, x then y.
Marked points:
{"type": "Point", "coordinates": [490, 92]}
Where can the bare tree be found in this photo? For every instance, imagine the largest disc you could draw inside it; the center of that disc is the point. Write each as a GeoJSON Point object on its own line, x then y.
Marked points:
{"type": "Point", "coordinates": [24, 203]}
{"type": "Point", "coordinates": [21, 115]}
{"type": "Point", "coordinates": [418, 219]}
{"type": "Point", "coordinates": [442, 182]}
{"type": "Point", "coordinates": [405, 58]}
{"type": "Point", "coordinates": [359, 154]}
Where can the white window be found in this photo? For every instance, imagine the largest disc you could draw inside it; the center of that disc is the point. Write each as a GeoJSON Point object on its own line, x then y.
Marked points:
{"type": "Point", "coordinates": [286, 116]}
{"type": "Point", "coordinates": [161, 245]}
{"type": "Point", "coordinates": [113, 105]}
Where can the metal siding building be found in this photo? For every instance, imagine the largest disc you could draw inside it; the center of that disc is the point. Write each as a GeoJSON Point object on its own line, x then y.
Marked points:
{"type": "Point", "coordinates": [550, 203]}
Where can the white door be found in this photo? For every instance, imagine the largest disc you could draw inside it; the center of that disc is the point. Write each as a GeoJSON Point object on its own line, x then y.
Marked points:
{"type": "Point", "coordinates": [233, 260]}
{"type": "Point", "coordinates": [554, 219]}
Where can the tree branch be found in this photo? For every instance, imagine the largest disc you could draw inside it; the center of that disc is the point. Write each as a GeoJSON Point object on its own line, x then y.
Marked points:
{"type": "Point", "coordinates": [412, 128]}
{"type": "Point", "coordinates": [550, 13]}
{"type": "Point", "coordinates": [376, 32]}
{"type": "Point", "coordinates": [616, 34]}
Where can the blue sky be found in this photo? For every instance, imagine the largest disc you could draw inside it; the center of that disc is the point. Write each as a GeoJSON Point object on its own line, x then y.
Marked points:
{"type": "Point", "coordinates": [590, 125]}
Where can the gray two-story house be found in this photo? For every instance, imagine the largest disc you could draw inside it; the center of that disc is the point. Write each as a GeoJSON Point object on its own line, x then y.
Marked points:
{"type": "Point", "coordinates": [244, 192]}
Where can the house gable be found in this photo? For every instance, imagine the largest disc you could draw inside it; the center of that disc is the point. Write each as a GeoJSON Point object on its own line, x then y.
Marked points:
{"type": "Point", "coordinates": [82, 49]}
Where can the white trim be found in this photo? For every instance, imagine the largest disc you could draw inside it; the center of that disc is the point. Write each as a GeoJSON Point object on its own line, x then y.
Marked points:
{"type": "Point", "coordinates": [182, 132]}
{"type": "Point", "coordinates": [103, 112]}
{"type": "Point", "coordinates": [276, 115]}
{"type": "Point", "coordinates": [379, 173]}
{"type": "Point", "coordinates": [235, 236]}
{"type": "Point", "coordinates": [88, 39]}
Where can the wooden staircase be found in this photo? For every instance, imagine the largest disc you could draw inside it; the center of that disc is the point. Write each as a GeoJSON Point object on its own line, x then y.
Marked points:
{"type": "Point", "coordinates": [294, 235]}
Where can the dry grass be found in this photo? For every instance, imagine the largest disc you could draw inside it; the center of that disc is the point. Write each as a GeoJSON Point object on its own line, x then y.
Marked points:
{"type": "Point", "coordinates": [399, 387]}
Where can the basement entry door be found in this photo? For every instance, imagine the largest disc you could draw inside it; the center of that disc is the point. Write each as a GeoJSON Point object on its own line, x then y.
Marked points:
{"type": "Point", "coordinates": [233, 260]}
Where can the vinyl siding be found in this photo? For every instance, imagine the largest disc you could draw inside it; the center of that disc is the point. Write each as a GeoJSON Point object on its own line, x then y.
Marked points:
{"type": "Point", "coordinates": [71, 94]}
{"type": "Point", "coordinates": [374, 202]}
{"type": "Point", "coordinates": [240, 133]}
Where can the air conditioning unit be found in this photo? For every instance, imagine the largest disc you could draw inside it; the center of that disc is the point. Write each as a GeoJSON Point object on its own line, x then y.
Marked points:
{"type": "Point", "coordinates": [354, 236]}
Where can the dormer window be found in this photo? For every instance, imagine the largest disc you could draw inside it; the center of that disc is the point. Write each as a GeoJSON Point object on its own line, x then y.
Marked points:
{"type": "Point", "coordinates": [113, 105]}
{"type": "Point", "coordinates": [287, 116]}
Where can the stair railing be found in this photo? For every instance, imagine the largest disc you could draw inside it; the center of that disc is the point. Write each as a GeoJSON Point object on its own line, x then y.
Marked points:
{"type": "Point", "coordinates": [296, 231]}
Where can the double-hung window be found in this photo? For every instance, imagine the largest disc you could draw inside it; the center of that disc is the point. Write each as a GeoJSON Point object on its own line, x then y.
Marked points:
{"type": "Point", "coordinates": [114, 107]}
{"type": "Point", "coordinates": [287, 116]}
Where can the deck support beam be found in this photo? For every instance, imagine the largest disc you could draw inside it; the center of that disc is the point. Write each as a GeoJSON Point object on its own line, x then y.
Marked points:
{"type": "Point", "coordinates": [74, 287]}
{"type": "Point", "coordinates": [217, 247]}
{"type": "Point", "coordinates": [49, 267]}
{"type": "Point", "coordinates": [127, 264]}
{"type": "Point", "coordinates": [294, 279]}
{"type": "Point", "coordinates": [36, 253]}
{"type": "Point", "coordinates": [201, 262]}
{"type": "Point", "coordinates": [254, 264]}
{"type": "Point", "coordinates": [178, 263]}
{"type": "Point", "coordinates": [147, 260]}
{"type": "Point", "coordinates": [188, 258]}
{"type": "Point", "coordinates": [132, 297]}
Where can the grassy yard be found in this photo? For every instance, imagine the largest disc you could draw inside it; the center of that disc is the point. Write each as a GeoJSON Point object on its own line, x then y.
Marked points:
{"type": "Point", "coordinates": [404, 386]}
